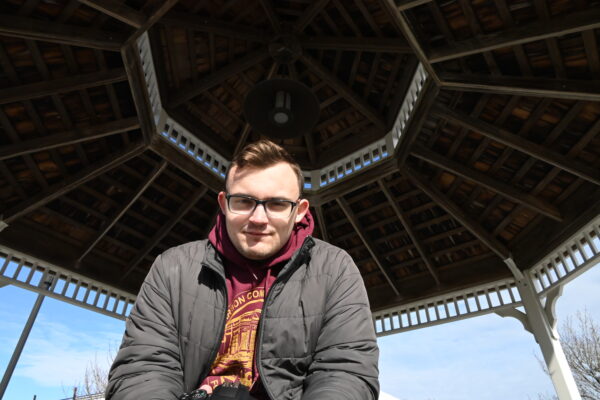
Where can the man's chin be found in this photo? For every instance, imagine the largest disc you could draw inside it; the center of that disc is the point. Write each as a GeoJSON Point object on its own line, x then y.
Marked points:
{"type": "Point", "coordinates": [257, 252]}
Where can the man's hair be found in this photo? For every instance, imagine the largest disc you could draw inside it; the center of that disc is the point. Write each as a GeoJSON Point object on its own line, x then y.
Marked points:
{"type": "Point", "coordinates": [263, 154]}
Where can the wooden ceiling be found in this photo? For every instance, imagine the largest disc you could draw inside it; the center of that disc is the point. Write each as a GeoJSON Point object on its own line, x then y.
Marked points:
{"type": "Point", "coordinates": [501, 157]}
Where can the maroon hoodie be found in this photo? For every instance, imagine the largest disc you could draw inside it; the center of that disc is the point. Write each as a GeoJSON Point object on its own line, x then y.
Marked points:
{"type": "Point", "coordinates": [248, 282]}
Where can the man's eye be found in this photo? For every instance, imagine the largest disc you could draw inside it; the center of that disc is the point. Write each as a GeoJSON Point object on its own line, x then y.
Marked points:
{"type": "Point", "coordinates": [278, 205]}
{"type": "Point", "coordinates": [242, 202]}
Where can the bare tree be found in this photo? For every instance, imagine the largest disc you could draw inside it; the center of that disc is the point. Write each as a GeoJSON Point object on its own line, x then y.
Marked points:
{"type": "Point", "coordinates": [581, 344]}
{"type": "Point", "coordinates": [95, 378]}
{"type": "Point", "coordinates": [580, 340]}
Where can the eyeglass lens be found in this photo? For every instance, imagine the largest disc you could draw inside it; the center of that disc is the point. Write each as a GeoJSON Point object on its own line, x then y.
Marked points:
{"type": "Point", "coordinates": [245, 205]}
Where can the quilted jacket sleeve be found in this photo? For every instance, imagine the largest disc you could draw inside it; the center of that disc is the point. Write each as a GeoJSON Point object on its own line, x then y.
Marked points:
{"type": "Point", "coordinates": [345, 362]}
{"type": "Point", "coordinates": [147, 365]}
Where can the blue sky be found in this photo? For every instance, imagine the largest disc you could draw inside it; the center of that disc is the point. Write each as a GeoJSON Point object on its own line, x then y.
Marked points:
{"type": "Point", "coordinates": [483, 358]}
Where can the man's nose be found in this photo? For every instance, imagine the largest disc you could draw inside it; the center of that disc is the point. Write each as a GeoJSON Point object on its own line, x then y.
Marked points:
{"type": "Point", "coordinates": [259, 215]}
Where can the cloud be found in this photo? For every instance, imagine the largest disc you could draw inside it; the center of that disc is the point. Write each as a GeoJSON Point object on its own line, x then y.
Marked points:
{"type": "Point", "coordinates": [57, 355]}
{"type": "Point", "coordinates": [485, 358]}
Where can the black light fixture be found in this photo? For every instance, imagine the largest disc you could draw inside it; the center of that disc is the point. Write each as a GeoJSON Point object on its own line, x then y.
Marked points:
{"type": "Point", "coordinates": [281, 108]}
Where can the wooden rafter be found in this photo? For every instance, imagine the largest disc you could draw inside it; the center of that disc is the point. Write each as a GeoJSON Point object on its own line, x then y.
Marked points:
{"type": "Point", "coordinates": [457, 213]}
{"type": "Point", "coordinates": [588, 90]}
{"type": "Point", "coordinates": [538, 30]}
{"type": "Point", "coordinates": [424, 103]}
{"type": "Point", "coordinates": [192, 168]}
{"type": "Point", "coordinates": [311, 12]}
{"type": "Point", "coordinates": [118, 10]}
{"type": "Point", "coordinates": [372, 44]}
{"type": "Point", "coordinates": [399, 21]}
{"type": "Point", "coordinates": [412, 233]}
{"type": "Point", "coordinates": [355, 181]}
{"type": "Point", "coordinates": [484, 180]}
{"type": "Point", "coordinates": [61, 85]}
{"type": "Point", "coordinates": [523, 145]}
{"type": "Point", "coordinates": [267, 6]}
{"type": "Point", "coordinates": [69, 138]}
{"type": "Point", "coordinates": [199, 24]}
{"type": "Point", "coordinates": [35, 29]}
{"type": "Point", "coordinates": [388, 276]}
{"type": "Point", "coordinates": [164, 230]}
{"type": "Point", "coordinates": [70, 183]}
{"type": "Point", "coordinates": [403, 5]}
{"type": "Point", "coordinates": [240, 65]}
{"type": "Point", "coordinates": [158, 10]}
{"type": "Point", "coordinates": [107, 226]}
{"type": "Point", "coordinates": [139, 90]}
{"type": "Point", "coordinates": [349, 94]}
{"type": "Point", "coordinates": [321, 222]}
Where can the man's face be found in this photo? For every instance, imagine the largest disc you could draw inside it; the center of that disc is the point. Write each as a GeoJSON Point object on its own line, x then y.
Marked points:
{"type": "Point", "coordinates": [257, 236]}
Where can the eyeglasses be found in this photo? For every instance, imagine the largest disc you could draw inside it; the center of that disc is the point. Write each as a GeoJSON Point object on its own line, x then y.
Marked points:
{"type": "Point", "coordinates": [245, 205]}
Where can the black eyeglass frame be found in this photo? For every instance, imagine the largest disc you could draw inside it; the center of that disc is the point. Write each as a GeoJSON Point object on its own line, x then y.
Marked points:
{"type": "Point", "coordinates": [258, 202]}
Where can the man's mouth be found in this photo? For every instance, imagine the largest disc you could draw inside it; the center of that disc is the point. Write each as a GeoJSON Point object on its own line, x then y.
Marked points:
{"type": "Point", "coordinates": [257, 234]}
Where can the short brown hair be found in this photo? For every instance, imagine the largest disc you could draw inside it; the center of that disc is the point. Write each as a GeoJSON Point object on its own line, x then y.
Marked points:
{"type": "Point", "coordinates": [263, 154]}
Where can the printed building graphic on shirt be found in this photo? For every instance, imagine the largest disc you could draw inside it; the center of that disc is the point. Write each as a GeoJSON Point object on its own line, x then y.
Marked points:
{"type": "Point", "coordinates": [236, 353]}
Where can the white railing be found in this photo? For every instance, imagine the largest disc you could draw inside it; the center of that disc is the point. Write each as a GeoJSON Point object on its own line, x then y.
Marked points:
{"type": "Point", "coordinates": [449, 307]}
{"type": "Point", "coordinates": [150, 75]}
{"type": "Point", "coordinates": [191, 146]}
{"type": "Point", "coordinates": [573, 257]}
{"type": "Point", "coordinates": [314, 180]}
{"type": "Point", "coordinates": [30, 273]}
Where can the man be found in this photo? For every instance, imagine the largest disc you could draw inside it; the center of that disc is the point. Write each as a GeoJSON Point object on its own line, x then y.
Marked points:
{"type": "Point", "coordinates": [260, 302]}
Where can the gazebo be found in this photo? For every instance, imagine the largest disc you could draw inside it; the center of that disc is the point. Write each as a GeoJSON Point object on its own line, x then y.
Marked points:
{"type": "Point", "coordinates": [456, 156]}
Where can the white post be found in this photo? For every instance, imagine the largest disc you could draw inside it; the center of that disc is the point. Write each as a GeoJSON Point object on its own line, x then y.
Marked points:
{"type": "Point", "coordinates": [546, 336]}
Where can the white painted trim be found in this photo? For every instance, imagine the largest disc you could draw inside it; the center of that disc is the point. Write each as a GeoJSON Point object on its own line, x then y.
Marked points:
{"type": "Point", "coordinates": [28, 272]}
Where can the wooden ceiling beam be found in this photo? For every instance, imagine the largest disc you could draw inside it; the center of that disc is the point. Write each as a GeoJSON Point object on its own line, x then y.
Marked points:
{"type": "Point", "coordinates": [139, 90]}
{"type": "Point", "coordinates": [518, 143]}
{"type": "Point", "coordinates": [587, 90]}
{"type": "Point", "coordinates": [399, 21]}
{"type": "Point", "coordinates": [538, 30]}
{"type": "Point", "coordinates": [69, 138]}
{"type": "Point", "coordinates": [457, 213]}
{"type": "Point", "coordinates": [164, 230]}
{"type": "Point", "coordinates": [419, 115]}
{"type": "Point", "coordinates": [412, 233]}
{"type": "Point", "coordinates": [371, 44]}
{"type": "Point", "coordinates": [70, 183]}
{"type": "Point", "coordinates": [388, 276]}
{"type": "Point", "coordinates": [187, 165]}
{"type": "Point", "coordinates": [118, 10]}
{"type": "Point", "coordinates": [484, 180]}
{"type": "Point", "coordinates": [61, 85]}
{"type": "Point", "coordinates": [355, 100]}
{"type": "Point", "coordinates": [311, 12]}
{"type": "Point", "coordinates": [355, 181]}
{"type": "Point", "coordinates": [108, 224]}
{"type": "Point", "coordinates": [46, 31]}
{"type": "Point", "coordinates": [155, 11]}
{"type": "Point", "coordinates": [267, 6]}
{"type": "Point", "coordinates": [403, 5]}
{"type": "Point", "coordinates": [197, 23]}
{"type": "Point", "coordinates": [321, 222]}
{"type": "Point", "coordinates": [195, 88]}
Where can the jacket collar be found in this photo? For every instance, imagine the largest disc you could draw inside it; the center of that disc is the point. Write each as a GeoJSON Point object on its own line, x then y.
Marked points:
{"type": "Point", "coordinates": [213, 260]}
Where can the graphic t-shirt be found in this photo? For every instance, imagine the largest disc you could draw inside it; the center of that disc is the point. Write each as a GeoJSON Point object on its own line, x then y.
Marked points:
{"type": "Point", "coordinates": [248, 283]}
{"type": "Point", "coordinates": [235, 358]}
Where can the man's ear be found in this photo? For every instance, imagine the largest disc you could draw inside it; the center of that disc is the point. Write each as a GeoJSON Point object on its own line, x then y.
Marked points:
{"type": "Point", "coordinates": [302, 209]}
{"type": "Point", "coordinates": [222, 202]}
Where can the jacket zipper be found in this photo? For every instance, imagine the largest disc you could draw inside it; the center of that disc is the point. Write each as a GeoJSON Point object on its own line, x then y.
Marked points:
{"type": "Point", "coordinates": [215, 350]}
{"type": "Point", "coordinates": [277, 283]}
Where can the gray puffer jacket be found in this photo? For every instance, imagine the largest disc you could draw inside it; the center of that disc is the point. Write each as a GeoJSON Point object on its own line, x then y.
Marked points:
{"type": "Point", "coordinates": [315, 338]}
